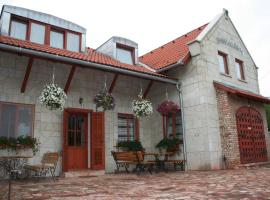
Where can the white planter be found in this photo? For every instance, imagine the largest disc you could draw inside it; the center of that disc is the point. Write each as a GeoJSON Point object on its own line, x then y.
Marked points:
{"type": "Point", "coordinates": [24, 152]}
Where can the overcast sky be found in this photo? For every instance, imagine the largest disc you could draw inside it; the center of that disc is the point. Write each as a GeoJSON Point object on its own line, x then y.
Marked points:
{"type": "Point", "coordinates": [152, 23]}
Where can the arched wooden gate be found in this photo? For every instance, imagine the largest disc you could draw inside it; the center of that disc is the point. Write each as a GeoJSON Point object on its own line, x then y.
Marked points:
{"type": "Point", "coordinates": [251, 137]}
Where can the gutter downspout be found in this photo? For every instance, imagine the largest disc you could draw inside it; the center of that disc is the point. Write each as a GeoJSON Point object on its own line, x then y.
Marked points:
{"type": "Point", "coordinates": [84, 63]}
{"type": "Point", "coordinates": [178, 87]}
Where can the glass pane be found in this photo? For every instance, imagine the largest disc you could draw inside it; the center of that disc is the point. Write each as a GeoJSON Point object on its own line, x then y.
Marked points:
{"type": "Point", "coordinates": [18, 30]}
{"type": "Point", "coordinates": [24, 121]}
{"type": "Point", "coordinates": [57, 39]}
{"type": "Point", "coordinates": [37, 33]}
{"type": "Point", "coordinates": [238, 70]}
{"type": "Point", "coordinates": [169, 127]}
{"type": "Point", "coordinates": [124, 55]}
{"type": "Point", "coordinates": [122, 129]}
{"type": "Point", "coordinates": [73, 42]}
{"type": "Point", "coordinates": [71, 138]}
{"type": "Point", "coordinates": [179, 128]}
{"type": "Point", "coordinates": [71, 122]}
{"type": "Point", "coordinates": [221, 64]}
{"type": "Point", "coordinates": [7, 120]}
{"type": "Point", "coordinates": [131, 129]}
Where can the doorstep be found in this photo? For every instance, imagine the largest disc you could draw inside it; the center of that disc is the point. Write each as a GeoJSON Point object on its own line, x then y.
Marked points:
{"type": "Point", "coordinates": [83, 173]}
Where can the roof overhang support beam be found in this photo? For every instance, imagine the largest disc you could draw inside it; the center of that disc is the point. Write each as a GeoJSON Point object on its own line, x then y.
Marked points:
{"type": "Point", "coordinates": [27, 74]}
{"type": "Point", "coordinates": [87, 64]}
{"type": "Point", "coordinates": [113, 83]}
{"type": "Point", "coordinates": [70, 77]}
{"type": "Point", "coordinates": [148, 89]}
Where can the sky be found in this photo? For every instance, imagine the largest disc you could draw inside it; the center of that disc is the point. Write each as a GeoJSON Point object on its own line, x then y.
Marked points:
{"type": "Point", "coordinates": [152, 23]}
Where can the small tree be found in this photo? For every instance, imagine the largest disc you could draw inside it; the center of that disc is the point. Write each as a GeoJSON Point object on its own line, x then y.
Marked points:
{"type": "Point", "coordinates": [267, 108]}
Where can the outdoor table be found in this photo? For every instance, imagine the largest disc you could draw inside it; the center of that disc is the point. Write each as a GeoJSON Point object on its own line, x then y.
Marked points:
{"type": "Point", "coordinates": [13, 166]}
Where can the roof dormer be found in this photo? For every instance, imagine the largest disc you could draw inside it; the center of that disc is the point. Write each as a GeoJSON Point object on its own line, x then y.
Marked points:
{"type": "Point", "coordinates": [122, 49]}
{"type": "Point", "coordinates": [42, 28]}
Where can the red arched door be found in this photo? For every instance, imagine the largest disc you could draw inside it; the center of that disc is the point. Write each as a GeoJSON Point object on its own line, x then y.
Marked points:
{"type": "Point", "coordinates": [252, 145]}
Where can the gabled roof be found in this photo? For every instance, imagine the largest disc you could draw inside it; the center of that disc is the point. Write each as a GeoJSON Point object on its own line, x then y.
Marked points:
{"type": "Point", "coordinates": [240, 92]}
{"type": "Point", "coordinates": [91, 55]}
{"type": "Point", "coordinates": [172, 52]}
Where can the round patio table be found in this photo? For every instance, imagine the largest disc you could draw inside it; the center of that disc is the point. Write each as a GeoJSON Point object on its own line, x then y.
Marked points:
{"type": "Point", "coordinates": [13, 166]}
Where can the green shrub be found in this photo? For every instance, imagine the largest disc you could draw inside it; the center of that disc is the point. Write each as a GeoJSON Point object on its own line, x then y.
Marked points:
{"type": "Point", "coordinates": [130, 145]}
{"type": "Point", "coordinates": [267, 108]}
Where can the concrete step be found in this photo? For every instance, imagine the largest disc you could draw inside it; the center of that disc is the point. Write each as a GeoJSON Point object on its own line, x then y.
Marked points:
{"type": "Point", "coordinates": [83, 173]}
{"type": "Point", "coordinates": [254, 165]}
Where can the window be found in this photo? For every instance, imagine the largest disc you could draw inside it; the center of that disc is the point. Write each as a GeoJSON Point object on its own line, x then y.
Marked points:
{"type": "Point", "coordinates": [239, 69]}
{"type": "Point", "coordinates": [18, 29]}
{"type": "Point", "coordinates": [125, 54]}
{"type": "Point", "coordinates": [16, 120]}
{"type": "Point", "coordinates": [57, 39]}
{"type": "Point", "coordinates": [73, 42]}
{"type": "Point", "coordinates": [127, 128]}
{"type": "Point", "coordinates": [223, 63]}
{"type": "Point", "coordinates": [173, 126]}
{"type": "Point", "coordinates": [37, 34]}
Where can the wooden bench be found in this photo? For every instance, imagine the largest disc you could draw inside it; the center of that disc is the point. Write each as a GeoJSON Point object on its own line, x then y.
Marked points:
{"type": "Point", "coordinates": [177, 164]}
{"type": "Point", "coordinates": [125, 159]}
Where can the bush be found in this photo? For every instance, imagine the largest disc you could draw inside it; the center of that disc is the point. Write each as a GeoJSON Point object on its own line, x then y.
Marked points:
{"type": "Point", "coordinates": [130, 145]}
{"type": "Point", "coordinates": [267, 108]}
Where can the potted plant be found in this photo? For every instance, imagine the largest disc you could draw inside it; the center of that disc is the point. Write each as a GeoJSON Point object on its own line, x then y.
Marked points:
{"type": "Point", "coordinates": [169, 144]}
{"type": "Point", "coordinates": [53, 97]}
{"type": "Point", "coordinates": [130, 145]}
{"type": "Point", "coordinates": [142, 107]}
{"type": "Point", "coordinates": [104, 100]}
{"type": "Point", "coordinates": [168, 107]}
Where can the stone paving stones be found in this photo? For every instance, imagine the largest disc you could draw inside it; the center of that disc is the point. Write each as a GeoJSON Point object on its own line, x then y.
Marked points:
{"type": "Point", "coordinates": [224, 184]}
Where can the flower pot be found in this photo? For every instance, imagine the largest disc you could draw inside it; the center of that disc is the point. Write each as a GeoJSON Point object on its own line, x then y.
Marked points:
{"type": "Point", "coordinates": [22, 151]}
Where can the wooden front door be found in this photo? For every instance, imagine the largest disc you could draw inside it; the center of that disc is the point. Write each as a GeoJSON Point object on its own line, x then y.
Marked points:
{"type": "Point", "coordinates": [97, 141]}
{"type": "Point", "coordinates": [75, 140]}
{"type": "Point", "coordinates": [251, 138]}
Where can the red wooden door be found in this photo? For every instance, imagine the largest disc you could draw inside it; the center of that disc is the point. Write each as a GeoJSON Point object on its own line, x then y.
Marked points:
{"type": "Point", "coordinates": [97, 141]}
{"type": "Point", "coordinates": [75, 140]}
{"type": "Point", "coordinates": [251, 138]}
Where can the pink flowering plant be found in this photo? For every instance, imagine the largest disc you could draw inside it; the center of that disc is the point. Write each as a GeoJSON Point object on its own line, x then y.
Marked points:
{"type": "Point", "coordinates": [168, 107]}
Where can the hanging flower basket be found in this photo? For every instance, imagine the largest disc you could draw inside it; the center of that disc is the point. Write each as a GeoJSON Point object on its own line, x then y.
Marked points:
{"type": "Point", "coordinates": [168, 107]}
{"type": "Point", "coordinates": [104, 100]}
{"type": "Point", "coordinates": [53, 97]}
{"type": "Point", "coordinates": [142, 107]}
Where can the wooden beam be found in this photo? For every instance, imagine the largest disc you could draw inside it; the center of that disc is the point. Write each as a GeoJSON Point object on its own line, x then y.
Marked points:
{"type": "Point", "coordinates": [148, 89]}
{"type": "Point", "coordinates": [27, 74]}
{"type": "Point", "coordinates": [70, 77]}
{"type": "Point", "coordinates": [113, 83]}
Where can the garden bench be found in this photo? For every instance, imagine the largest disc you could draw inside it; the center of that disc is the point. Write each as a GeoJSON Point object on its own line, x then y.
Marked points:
{"type": "Point", "coordinates": [125, 159]}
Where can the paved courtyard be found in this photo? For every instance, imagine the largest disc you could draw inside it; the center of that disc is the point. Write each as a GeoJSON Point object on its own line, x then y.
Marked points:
{"type": "Point", "coordinates": [223, 184]}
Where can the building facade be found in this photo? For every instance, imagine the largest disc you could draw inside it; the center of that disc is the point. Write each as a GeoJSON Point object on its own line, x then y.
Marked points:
{"type": "Point", "coordinates": [208, 72]}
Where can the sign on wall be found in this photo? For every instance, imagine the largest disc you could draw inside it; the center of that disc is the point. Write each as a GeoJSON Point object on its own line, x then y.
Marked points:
{"type": "Point", "coordinates": [230, 43]}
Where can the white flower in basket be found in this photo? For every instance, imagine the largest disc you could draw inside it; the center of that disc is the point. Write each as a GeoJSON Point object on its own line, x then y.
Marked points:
{"type": "Point", "coordinates": [142, 107]}
{"type": "Point", "coordinates": [53, 97]}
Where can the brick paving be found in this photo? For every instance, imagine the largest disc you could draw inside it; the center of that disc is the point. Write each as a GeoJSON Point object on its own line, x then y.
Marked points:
{"type": "Point", "coordinates": [223, 184]}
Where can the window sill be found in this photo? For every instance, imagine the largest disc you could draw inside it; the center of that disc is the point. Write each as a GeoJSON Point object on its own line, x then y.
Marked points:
{"type": "Point", "coordinates": [244, 81]}
{"type": "Point", "coordinates": [227, 75]}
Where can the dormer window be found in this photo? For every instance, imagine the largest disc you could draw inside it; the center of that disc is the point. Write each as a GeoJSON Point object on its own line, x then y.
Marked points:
{"type": "Point", "coordinates": [18, 29]}
{"type": "Point", "coordinates": [57, 39]}
{"type": "Point", "coordinates": [125, 54]}
{"type": "Point", "coordinates": [41, 33]}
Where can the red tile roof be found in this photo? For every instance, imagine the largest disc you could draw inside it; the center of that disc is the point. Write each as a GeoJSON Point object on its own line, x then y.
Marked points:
{"type": "Point", "coordinates": [171, 52]}
{"type": "Point", "coordinates": [91, 55]}
{"type": "Point", "coordinates": [242, 93]}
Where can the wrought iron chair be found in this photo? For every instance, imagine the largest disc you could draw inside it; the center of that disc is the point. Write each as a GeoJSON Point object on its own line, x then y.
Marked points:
{"type": "Point", "coordinates": [48, 164]}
